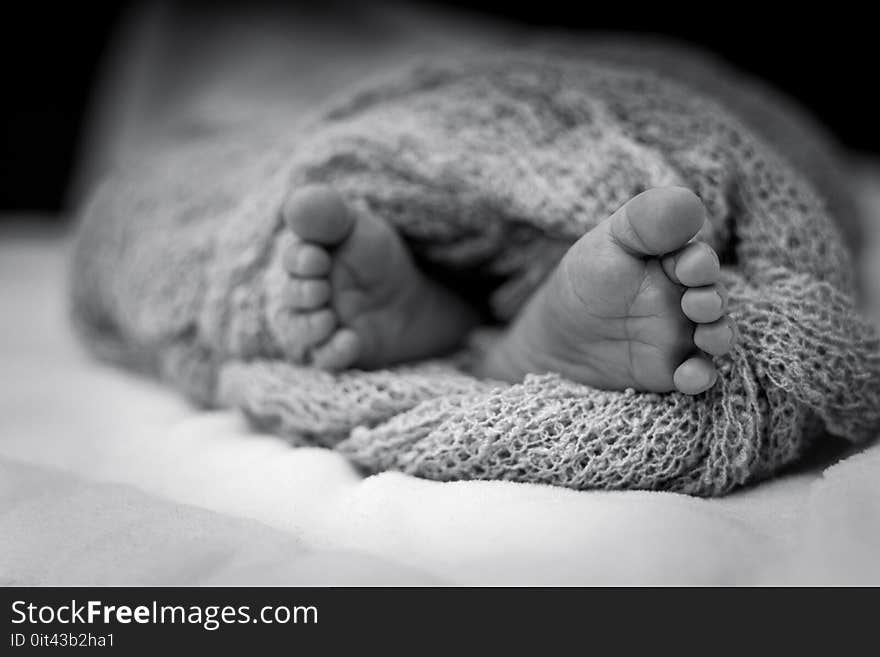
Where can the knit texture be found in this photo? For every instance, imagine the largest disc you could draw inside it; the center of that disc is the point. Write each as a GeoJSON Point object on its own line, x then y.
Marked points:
{"type": "Point", "coordinates": [489, 168]}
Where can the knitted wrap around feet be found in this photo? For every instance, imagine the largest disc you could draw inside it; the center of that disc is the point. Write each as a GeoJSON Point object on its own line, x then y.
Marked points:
{"type": "Point", "coordinates": [489, 168]}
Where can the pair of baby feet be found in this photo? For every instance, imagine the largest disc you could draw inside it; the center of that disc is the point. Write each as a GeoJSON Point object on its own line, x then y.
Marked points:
{"type": "Point", "coordinates": [635, 303]}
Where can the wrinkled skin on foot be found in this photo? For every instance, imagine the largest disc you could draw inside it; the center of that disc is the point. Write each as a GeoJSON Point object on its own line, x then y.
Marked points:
{"type": "Point", "coordinates": [354, 294]}
{"type": "Point", "coordinates": [635, 303]}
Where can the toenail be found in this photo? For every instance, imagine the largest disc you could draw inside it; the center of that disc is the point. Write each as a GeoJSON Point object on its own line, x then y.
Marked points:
{"type": "Point", "coordinates": [711, 379]}
{"type": "Point", "coordinates": [714, 256]}
{"type": "Point", "coordinates": [729, 338]}
{"type": "Point", "coordinates": [706, 379]}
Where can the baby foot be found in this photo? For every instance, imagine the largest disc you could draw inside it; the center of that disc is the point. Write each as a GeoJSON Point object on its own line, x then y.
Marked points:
{"type": "Point", "coordinates": [354, 294]}
{"type": "Point", "coordinates": [633, 304]}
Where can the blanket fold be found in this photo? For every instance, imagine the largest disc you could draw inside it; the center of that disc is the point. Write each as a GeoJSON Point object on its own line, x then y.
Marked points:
{"type": "Point", "coordinates": [491, 165]}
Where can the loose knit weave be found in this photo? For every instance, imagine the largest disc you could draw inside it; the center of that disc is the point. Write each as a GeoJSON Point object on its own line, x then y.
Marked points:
{"type": "Point", "coordinates": [490, 168]}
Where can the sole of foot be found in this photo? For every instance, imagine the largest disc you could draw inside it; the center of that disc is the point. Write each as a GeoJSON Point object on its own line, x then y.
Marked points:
{"type": "Point", "coordinates": [635, 303]}
{"type": "Point", "coordinates": [354, 296]}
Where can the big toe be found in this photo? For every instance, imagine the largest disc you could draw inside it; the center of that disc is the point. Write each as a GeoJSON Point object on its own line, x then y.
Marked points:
{"type": "Point", "coordinates": [658, 221]}
{"type": "Point", "coordinates": [318, 213]}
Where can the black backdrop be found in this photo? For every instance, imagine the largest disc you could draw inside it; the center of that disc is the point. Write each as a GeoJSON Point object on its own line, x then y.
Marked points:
{"type": "Point", "coordinates": [48, 54]}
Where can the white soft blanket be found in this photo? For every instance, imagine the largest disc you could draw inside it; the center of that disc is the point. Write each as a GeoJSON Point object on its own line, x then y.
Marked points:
{"type": "Point", "coordinates": [110, 479]}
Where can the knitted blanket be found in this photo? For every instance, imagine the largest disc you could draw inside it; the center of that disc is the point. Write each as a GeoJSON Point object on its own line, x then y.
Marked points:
{"type": "Point", "coordinates": [490, 168]}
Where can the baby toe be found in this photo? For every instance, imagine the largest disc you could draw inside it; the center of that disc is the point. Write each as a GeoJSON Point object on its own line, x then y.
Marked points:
{"type": "Point", "coordinates": [339, 352]}
{"type": "Point", "coordinates": [317, 213]}
{"type": "Point", "coordinates": [695, 375]}
{"type": "Point", "coordinates": [716, 338]}
{"type": "Point", "coordinates": [312, 328]}
{"type": "Point", "coordinates": [695, 265]}
{"type": "Point", "coordinates": [657, 221]}
{"type": "Point", "coordinates": [307, 293]}
{"type": "Point", "coordinates": [307, 260]}
{"type": "Point", "coordinates": [704, 304]}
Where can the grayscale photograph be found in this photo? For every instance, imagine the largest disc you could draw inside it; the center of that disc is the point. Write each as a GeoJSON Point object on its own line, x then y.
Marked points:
{"type": "Point", "coordinates": [432, 295]}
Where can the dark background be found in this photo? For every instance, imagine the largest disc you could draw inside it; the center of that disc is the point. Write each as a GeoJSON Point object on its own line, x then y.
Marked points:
{"type": "Point", "coordinates": [49, 53]}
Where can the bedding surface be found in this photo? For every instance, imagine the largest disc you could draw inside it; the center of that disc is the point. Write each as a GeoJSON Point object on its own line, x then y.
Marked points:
{"type": "Point", "coordinates": [106, 478]}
